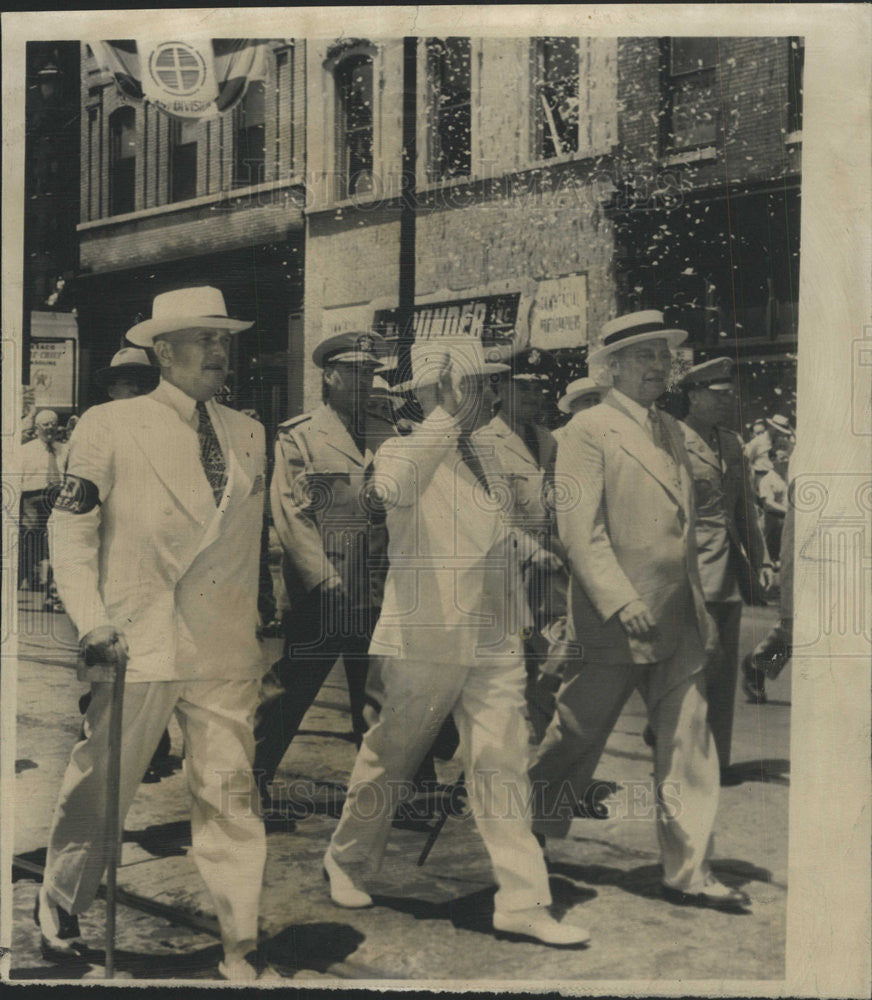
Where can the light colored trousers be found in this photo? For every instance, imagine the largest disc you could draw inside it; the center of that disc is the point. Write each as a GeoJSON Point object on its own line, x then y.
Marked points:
{"type": "Point", "coordinates": [228, 837]}
{"type": "Point", "coordinates": [685, 759]}
{"type": "Point", "coordinates": [487, 701]}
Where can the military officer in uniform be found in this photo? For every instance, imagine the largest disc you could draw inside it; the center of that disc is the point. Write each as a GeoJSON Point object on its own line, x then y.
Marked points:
{"type": "Point", "coordinates": [731, 551]}
{"type": "Point", "coordinates": [525, 450]}
{"type": "Point", "coordinates": [333, 543]}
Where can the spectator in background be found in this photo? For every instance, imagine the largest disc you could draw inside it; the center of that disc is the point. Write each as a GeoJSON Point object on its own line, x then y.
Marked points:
{"type": "Point", "coordinates": [42, 465]}
{"type": "Point", "coordinates": [770, 656]}
{"type": "Point", "coordinates": [757, 449]}
{"type": "Point", "coordinates": [130, 374]}
{"type": "Point", "coordinates": [772, 490]}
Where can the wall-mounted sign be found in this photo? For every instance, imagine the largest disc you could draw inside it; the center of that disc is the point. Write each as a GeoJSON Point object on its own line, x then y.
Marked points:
{"type": "Point", "coordinates": [559, 314]}
{"type": "Point", "coordinates": [487, 317]}
{"type": "Point", "coordinates": [53, 372]}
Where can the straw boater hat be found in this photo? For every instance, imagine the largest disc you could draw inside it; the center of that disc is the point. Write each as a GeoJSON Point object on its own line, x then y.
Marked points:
{"type": "Point", "coordinates": [185, 309]}
{"type": "Point", "coordinates": [576, 390]}
{"type": "Point", "coordinates": [129, 362]}
{"type": "Point", "coordinates": [466, 355]}
{"type": "Point", "coordinates": [353, 346]}
{"type": "Point", "coordinates": [780, 424]}
{"type": "Point", "coordinates": [634, 328]}
{"type": "Point", "coordinates": [715, 374]}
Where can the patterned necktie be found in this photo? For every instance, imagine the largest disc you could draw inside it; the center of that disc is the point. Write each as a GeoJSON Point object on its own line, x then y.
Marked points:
{"type": "Point", "coordinates": [210, 453]}
{"type": "Point", "coordinates": [54, 474]}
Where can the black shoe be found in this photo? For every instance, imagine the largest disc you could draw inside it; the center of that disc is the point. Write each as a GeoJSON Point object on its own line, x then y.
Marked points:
{"type": "Point", "coordinates": [753, 683]}
{"type": "Point", "coordinates": [59, 934]}
{"type": "Point", "coordinates": [713, 896]}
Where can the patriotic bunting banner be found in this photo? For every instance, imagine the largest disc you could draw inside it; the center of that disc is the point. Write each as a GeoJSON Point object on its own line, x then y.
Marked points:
{"type": "Point", "coordinates": [185, 78]}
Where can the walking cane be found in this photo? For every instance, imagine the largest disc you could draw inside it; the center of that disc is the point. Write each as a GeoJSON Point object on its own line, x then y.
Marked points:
{"type": "Point", "coordinates": [113, 831]}
{"type": "Point", "coordinates": [444, 813]}
{"type": "Point", "coordinates": [116, 674]}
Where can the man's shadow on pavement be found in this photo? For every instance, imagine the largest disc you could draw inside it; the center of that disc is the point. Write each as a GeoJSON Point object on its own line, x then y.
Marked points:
{"type": "Point", "coordinates": [774, 771]}
{"type": "Point", "coordinates": [646, 880]}
{"type": "Point", "coordinates": [314, 946]}
{"type": "Point", "coordinates": [475, 911]}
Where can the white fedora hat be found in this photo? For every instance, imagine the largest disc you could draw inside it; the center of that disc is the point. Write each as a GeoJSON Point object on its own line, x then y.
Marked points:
{"type": "Point", "coordinates": [185, 309]}
{"type": "Point", "coordinates": [634, 328]}
{"type": "Point", "coordinates": [466, 356]}
{"type": "Point", "coordinates": [130, 362]}
{"type": "Point", "coordinates": [780, 424]}
{"type": "Point", "coordinates": [575, 390]}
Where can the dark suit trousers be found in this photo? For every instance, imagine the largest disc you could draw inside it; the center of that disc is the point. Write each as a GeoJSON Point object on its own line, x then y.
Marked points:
{"type": "Point", "coordinates": [317, 633]}
{"type": "Point", "coordinates": [720, 675]}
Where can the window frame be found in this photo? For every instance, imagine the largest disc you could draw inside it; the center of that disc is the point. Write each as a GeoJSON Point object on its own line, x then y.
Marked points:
{"type": "Point", "coordinates": [436, 167]}
{"type": "Point", "coordinates": [670, 143]}
{"type": "Point", "coordinates": [242, 139]}
{"type": "Point", "coordinates": [116, 142]}
{"type": "Point", "coordinates": [176, 150]}
{"type": "Point", "coordinates": [347, 64]}
{"type": "Point", "coordinates": [539, 112]}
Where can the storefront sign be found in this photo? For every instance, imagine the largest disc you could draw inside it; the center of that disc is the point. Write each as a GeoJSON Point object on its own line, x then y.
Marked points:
{"type": "Point", "coordinates": [53, 372]}
{"type": "Point", "coordinates": [487, 317]}
{"type": "Point", "coordinates": [559, 314]}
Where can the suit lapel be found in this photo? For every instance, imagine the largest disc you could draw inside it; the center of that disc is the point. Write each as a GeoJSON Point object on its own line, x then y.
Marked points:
{"type": "Point", "coordinates": [239, 481]}
{"type": "Point", "coordinates": [636, 442]}
{"type": "Point", "coordinates": [171, 447]}
{"type": "Point", "coordinates": [511, 441]}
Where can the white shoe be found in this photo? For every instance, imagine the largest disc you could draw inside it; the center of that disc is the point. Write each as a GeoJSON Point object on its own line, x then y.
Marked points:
{"type": "Point", "coordinates": [537, 924]}
{"type": "Point", "coordinates": [59, 936]}
{"type": "Point", "coordinates": [242, 969]}
{"type": "Point", "coordinates": [343, 891]}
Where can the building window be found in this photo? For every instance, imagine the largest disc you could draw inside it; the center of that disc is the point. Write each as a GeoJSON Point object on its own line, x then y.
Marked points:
{"type": "Point", "coordinates": [796, 61]}
{"type": "Point", "coordinates": [183, 160]}
{"type": "Point", "coordinates": [250, 137]}
{"type": "Point", "coordinates": [122, 160]}
{"type": "Point", "coordinates": [449, 69]}
{"type": "Point", "coordinates": [555, 88]}
{"type": "Point", "coordinates": [692, 103]}
{"type": "Point", "coordinates": [354, 121]}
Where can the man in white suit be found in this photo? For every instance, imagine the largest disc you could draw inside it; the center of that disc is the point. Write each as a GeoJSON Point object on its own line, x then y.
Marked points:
{"type": "Point", "coordinates": [156, 541]}
{"type": "Point", "coordinates": [448, 641]}
{"type": "Point", "coordinates": [636, 609]}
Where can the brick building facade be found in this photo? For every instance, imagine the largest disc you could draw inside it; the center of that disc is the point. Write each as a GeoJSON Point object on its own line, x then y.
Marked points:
{"type": "Point", "coordinates": [577, 175]}
{"type": "Point", "coordinates": [708, 199]}
{"type": "Point", "coordinates": [558, 180]}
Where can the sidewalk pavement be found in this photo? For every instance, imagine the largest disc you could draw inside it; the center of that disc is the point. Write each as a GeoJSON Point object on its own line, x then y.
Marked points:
{"type": "Point", "coordinates": [430, 922]}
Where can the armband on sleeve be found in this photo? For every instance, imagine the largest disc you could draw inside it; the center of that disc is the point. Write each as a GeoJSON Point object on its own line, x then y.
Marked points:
{"type": "Point", "coordinates": [77, 495]}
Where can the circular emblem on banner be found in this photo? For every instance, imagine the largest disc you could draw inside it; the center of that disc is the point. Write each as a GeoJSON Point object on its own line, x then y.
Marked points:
{"type": "Point", "coordinates": [177, 68]}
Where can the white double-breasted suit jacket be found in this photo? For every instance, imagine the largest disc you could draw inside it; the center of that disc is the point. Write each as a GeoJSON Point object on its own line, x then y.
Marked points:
{"type": "Point", "coordinates": [138, 542]}
{"type": "Point", "coordinates": [629, 531]}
